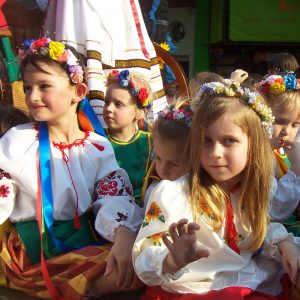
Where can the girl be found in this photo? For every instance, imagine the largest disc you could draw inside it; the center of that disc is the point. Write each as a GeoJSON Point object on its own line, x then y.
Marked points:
{"type": "Point", "coordinates": [170, 133]}
{"type": "Point", "coordinates": [69, 181]}
{"type": "Point", "coordinates": [127, 100]}
{"type": "Point", "coordinates": [283, 96]}
{"type": "Point", "coordinates": [206, 235]}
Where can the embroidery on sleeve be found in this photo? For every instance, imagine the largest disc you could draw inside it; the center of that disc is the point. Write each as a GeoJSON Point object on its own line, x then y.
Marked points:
{"type": "Point", "coordinates": [112, 185]}
{"type": "Point", "coordinates": [154, 213]}
{"type": "Point", "coordinates": [4, 191]}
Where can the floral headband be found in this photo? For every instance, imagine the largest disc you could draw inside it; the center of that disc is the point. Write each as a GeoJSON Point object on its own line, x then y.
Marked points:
{"type": "Point", "coordinates": [252, 99]}
{"type": "Point", "coordinates": [276, 84]}
{"type": "Point", "coordinates": [125, 81]}
{"type": "Point", "coordinates": [183, 114]}
{"type": "Point", "coordinates": [57, 52]}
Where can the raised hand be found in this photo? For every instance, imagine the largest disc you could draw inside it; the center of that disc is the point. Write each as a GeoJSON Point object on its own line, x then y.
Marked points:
{"type": "Point", "coordinates": [239, 75]}
{"type": "Point", "coordinates": [183, 247]}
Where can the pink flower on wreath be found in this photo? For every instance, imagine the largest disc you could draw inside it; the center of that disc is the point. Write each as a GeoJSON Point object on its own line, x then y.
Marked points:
{"type": "Point", "coordinates": [4, 191]}
{"type": "Point", "coordinates": [107, 187]}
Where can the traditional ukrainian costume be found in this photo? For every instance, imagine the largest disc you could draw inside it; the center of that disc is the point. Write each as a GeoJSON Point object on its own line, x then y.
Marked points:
{"type": "Point", "coordinates": [92, 197]}
{"type": "Point", "coordinates": [134, 156]}
{"type": "Point", "coordinates": [114, 36]}
{"type": "Point", "coordinates": [287, 195]}
{"type": "Point", "coordinates": [229, 272]}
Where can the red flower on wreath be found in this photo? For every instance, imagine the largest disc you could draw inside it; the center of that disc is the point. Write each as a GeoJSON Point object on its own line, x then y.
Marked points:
{"type": "Point", "coordinates": [43, 42]}
{"type": "Point", "coordinates": [143, 94]}
{"type": "Point", "coordinates": [4, 191]}
{"type": "Point", "coordinates": [107, 187]}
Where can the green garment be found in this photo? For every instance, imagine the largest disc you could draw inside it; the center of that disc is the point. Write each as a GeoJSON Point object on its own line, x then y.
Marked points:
{"type": "Point", "coordinates": [134, 157]}
{"type": "Point", "coordinates": [63, 231]}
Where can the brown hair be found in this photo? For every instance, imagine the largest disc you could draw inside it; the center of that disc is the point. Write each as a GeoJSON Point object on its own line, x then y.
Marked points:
{"type": "Point", "coordinates": [201, 78]}
{"type": "Point", "coordinates": [282, 62]}
{"type": "Point", "coordinates": [10, 116]}
{"type": "Point", "coordinates": [254, 190]}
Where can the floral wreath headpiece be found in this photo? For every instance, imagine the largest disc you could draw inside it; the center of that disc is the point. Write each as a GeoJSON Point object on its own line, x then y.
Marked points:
{"type": "Point", "coordinates": [183, 114]}
{"type": "Point", "coordinates": [126, 81]}
{"type": "Point", "coordinates": [252, 99]}
{"type": "Point", "coordinates": [276, 84]}
{"type": "Point", "coordinates": [55, 51]}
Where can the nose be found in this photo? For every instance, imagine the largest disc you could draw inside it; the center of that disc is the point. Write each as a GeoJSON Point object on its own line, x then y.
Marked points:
{"type": "Point", "coordinates": [162, 169]}
{"type": "Point", "coordinates": [216, 151]}
{"type": "Point", "coordinates": [32, 95]}
{"type": "Point", "coordinates": [285, 131]}
{"type": "Point", "coordinates": [108, 106]}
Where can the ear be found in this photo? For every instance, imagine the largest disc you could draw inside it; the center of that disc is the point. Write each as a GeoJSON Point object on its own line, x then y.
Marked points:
{"type": "Point", "coordinates": [140, 114]}
{"type": "Point", "coordinates": [80, 92]}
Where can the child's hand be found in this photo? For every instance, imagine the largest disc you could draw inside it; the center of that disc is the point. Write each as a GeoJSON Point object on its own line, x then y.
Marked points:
{"type": "Point", "coordinates": [183, 249]}
{"type": "Point", "coordinates": [120, 257]}
{"type": "Point", "coordinates": [238, 75]}
{"type": "Point", "coordinates": [291, 259]}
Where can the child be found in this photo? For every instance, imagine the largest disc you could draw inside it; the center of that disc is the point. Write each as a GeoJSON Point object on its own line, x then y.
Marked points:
{"type": "Point", "coordinates": [283, 96]}
{"type": "Point", "coordinates": [282, 62]}
{"type": "Point", "coordinates": [10, 117]}
{"type": "Point", "coordinates": [170, 134]}
{"type": "Point", "coordinates": [127, 100]}
{"type": "Point", "coordinates": [220, 243]}
{"type": "Point", "coordinates": [64, 178]}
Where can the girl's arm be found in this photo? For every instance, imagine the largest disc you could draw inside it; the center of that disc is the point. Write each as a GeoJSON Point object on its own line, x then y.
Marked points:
{"type": "Point", "coordinates": [117, 220]}
{"type": "Point", "coordinates": [286, 197]}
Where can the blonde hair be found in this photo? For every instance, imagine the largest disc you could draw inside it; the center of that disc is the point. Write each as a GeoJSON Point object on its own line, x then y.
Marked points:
{"type": "Point", "coordinates": [141, 82]}
{"type": "Point", "coordinates": [173, 129]}
{"type": "Point", "coordinates": [254, 188]}
{"type": "Point", "coordinates": [289, 99]}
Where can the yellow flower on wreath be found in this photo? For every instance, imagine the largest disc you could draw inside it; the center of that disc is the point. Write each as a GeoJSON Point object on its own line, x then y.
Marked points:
{"type": "Point", "coordinates": [277, 88]}
{"type": "Point", "coordinates": [56, 49]}
{"type": "Point", "coordinates": [153, 213]}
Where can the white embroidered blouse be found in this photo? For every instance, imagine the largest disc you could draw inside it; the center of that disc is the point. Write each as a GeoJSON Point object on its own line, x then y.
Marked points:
{"type": "Point", "coordinates": [86, 169]}
{"type": "Point", "coordinates": [223, 267]}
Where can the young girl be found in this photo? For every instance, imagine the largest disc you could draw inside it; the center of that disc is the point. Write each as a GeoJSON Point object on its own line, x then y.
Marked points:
{"type": "Point", "coordinates": [206, 235]}
{"type": "Point", "coordinates": [170, 134]}
{"type": "Point", "coordinates": [283, 96]}
{"type": "Point", "coordinates": [69, 181]}
{"type": "Point", "coordinates": [127, 100]}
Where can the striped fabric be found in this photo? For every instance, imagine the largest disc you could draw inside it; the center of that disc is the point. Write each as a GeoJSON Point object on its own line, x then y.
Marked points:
{"type": "Point", "coordinates": [71, 272]}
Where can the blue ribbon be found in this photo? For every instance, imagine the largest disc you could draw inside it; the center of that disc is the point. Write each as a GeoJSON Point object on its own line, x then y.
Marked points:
{"type": "Point", "coordinates": [46, 186]}
{"type": "Point", "coordinates": [152, 13]}
{"type": "Point", "coordinates": [89, 112]}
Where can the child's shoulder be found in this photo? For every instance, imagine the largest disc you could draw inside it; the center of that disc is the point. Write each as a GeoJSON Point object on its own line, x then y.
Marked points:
{"type": "Point", "coordinates": [23, 133]}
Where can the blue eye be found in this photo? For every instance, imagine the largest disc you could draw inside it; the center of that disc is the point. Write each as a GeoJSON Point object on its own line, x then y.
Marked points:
{"type": "Point", "coordinates": [229, 141]}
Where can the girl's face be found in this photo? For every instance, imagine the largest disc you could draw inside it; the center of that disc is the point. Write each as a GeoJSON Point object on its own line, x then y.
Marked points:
{"type": "Point", "coordinates": [49, 96]}
{"type": "Point", "coordinates": [119, 111]}
{"type": "Point", "coordinates": [168, 158]}
{"type": "Point", "coordinates": [286, 126]}
{"type": "Point", "coordinates": [225, 152]}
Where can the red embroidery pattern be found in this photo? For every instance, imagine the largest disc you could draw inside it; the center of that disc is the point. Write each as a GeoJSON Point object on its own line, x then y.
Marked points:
{"type": "Point", "coordinates": [112, 185]}
{"type": "Point", "coordinates": [4, 191]}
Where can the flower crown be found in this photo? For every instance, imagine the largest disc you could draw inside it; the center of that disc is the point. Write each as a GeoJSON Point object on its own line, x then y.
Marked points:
{"type": "Point", "coordinates": [125, 81]}
{"type": "Point", "coordinates": [276, 84]}
{"type": "Point", "coordinates": [55, 51]}
{"type": "Point", "coordinates": [183, 114]}
{"type": "Point", "coordinates": [252, 99]}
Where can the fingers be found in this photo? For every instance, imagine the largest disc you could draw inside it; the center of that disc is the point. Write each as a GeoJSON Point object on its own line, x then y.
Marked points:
{"type": "Point", "coordinates": [201, 253]}
{"type": "Point", "coordinates": [192, 228]}
{"type": "Point", "coordinates": [110, 265]}
{"type": "Point", "coordinates": [126, 281]}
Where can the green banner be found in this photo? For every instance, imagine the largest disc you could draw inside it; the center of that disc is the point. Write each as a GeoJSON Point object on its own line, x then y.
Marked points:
{"type": "Point", "coordinates": [264, 20]}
